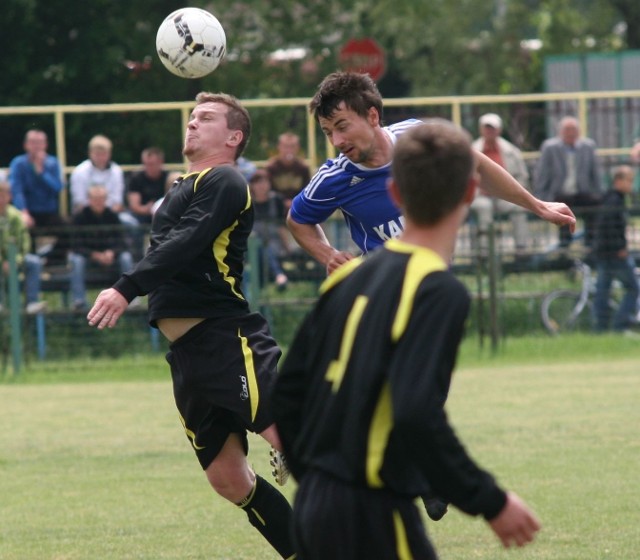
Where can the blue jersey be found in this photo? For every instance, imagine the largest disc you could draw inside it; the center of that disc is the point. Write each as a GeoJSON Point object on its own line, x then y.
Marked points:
{"type": "Point", "coordinates": [359, 192]}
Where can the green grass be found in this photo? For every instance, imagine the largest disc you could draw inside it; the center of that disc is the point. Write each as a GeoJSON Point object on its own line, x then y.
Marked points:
{"type": "Point", "coordinates": [94, 463]}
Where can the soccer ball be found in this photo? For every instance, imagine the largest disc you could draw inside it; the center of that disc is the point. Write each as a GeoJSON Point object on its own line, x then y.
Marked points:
{"type": "Point", "coordinates": [191, 43]}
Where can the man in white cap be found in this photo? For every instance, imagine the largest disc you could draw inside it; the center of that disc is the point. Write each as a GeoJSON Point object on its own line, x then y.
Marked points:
{"type": "Point", "coordinates": [504, 153]}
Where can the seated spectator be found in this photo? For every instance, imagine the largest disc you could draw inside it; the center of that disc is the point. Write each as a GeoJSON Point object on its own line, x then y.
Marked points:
{"type": "Point", "coordinates": [612, 257]}
{"type": "Point", "coordinates": [145, 188]}
{"type": "Point", "coordinates": [98, 170]}
{"type": "Point", "coordinates": [148, 185]}
{"type": "Point", "coordinates": [288, 172]}
{"type": "Point", "coordinates": [504, 153]}
{"type": "Point", "coordinates": [13, 229]}
{"type": "Point", "coordinates": [98, 243]}
{"type": "Point", "coordinates": [36, 183]}
{"type": "Point", "coordinates": [269, 226]}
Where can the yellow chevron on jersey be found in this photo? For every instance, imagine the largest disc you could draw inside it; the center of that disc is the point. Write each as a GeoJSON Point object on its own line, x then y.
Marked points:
{"type": "Point", "coordinates": [421, 263]}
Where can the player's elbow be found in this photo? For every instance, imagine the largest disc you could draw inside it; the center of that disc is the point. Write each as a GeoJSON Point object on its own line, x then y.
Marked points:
{"type": "Point", "coordinates": [294, 227]}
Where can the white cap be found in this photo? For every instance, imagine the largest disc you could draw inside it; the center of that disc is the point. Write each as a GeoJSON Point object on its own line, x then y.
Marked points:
{"type": "Point", "coordinates": [491, 119]}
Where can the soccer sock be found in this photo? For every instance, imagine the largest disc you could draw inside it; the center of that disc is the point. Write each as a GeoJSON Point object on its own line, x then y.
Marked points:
{"type": "Point", "coordinates": [269, 512]}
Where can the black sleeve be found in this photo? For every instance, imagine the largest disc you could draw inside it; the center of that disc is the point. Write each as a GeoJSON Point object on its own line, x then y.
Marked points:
{"type": "Point", "coordinates": [133, 184]}
{"type": "Point", "coordinates": [219, 199]}
{"type": "Point", "coordinates": [420, 385]}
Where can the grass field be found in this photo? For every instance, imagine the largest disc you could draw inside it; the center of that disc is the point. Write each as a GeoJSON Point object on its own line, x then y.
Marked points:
{"type": "Point", "coordinates": [94, 463]}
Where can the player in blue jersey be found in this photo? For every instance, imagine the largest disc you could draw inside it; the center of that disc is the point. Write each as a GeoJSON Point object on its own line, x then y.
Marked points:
{"type": "Point", "coordinates": [348, 107]}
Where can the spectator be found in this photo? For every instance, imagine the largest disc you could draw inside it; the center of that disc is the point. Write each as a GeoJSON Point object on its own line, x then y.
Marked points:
{"type": "Point", "coordinates": [98, 243]}
{"type": "Point", "coordinates": [145, 188]}
{"type": "Point", "coordinates": [13, 229]}
{"type": "Point", "coordinates": [98, 170]}
{"type": "Point", "coordinates": [612, 257]}
{"type": "Point", "coordinates": [148, 185]}
{"type": "Point", "coordinates": [36, 183]}
{"type": "Point", "coordinates": [504, 153]}
{"type": "Point", "coordinates": [288, 171]}
{"type": "Point", "coordinates": [269, 226]}
{"type": "Point", "coordinates": [568, 171]}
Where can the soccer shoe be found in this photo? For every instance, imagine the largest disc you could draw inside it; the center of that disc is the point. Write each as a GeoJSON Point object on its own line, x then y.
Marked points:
{"type": "Point", "coordinates": [435, 507]}
{"type": "Point", "coordinates": [280, 470]}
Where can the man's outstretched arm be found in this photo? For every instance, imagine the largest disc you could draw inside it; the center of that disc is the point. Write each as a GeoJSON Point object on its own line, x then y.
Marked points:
{"type": "Point", "coordinates": [499, 183]}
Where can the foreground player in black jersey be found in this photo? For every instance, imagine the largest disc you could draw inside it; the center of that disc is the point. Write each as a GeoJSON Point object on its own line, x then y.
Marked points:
{"type": "Point", "coordinates": [359, 402]}
{"type": "Point", "coordinates": [222, 356]}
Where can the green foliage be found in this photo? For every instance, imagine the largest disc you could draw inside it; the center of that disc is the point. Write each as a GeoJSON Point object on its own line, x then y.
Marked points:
{"type": "Point", "coordinates": [77, 52]}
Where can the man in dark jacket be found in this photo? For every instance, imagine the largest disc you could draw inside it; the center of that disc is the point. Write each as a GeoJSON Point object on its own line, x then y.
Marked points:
{"type": "Point", "coordinates": [613, 260]}
{"type": "Point", "coordinates": [98, 243]}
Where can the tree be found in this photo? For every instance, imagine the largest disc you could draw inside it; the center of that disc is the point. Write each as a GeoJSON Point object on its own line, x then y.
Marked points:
{"type": "Point", "coordinates": [74, 51]}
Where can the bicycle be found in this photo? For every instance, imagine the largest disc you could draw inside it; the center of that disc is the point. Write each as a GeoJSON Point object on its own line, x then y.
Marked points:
{"type": "Point", "coordinates": [563, 310]}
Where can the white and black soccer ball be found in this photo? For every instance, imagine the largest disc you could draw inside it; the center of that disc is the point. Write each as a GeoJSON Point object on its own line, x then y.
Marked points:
{"type": "Point", "coordinates": [191, 43]}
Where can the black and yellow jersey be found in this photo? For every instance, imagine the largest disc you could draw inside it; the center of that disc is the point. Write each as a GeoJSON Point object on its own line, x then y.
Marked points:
{"type": "Point", "coordinates": [193, 267]}
{"type": "Point", "coordinates": [361, 393]}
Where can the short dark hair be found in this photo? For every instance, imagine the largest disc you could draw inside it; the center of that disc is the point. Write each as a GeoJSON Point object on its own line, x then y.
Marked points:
{"type": "Point", "coordinates": [621, 172]}
{"type": "Point", "coordinates": [153, 151]}
{"type": "Point", "coordinates": [237, 117]}
{"type": "Point", "coordinates": [432, 164]}
{"type": "Point", "coordinates": [358, 92]}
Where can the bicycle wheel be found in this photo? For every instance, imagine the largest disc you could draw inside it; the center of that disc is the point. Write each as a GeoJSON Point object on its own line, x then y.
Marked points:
{"type": "Point", "coordinates": [563, 311]}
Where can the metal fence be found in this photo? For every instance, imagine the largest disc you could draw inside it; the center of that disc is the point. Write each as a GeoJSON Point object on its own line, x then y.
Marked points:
{"type": "Point", "coordinates": [611, 117]}
{"type": "Point", "coordinates": [507, 287]}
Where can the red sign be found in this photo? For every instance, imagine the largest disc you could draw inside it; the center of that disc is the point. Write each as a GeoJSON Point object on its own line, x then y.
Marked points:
{"type": "Point", "coordinates": [363, 55]}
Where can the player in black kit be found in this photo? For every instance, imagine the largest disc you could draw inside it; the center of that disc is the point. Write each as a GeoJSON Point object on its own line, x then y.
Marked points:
{"type": "Point", "coordinates": [359, 402]}
{"type": "Point", "coordinates": [222, 356]}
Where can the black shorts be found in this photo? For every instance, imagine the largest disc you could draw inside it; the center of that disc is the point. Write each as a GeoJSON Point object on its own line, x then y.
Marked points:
{"type": "Point", "coordinates": [222, 370]}
{"type": "Point", "coordinates": [333, 519]}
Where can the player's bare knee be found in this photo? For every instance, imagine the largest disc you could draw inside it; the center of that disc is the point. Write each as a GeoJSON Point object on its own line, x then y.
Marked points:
{"type": "Point", "coordinates": [231, 482]}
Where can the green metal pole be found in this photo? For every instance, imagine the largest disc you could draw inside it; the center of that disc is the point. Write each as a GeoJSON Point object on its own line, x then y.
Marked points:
{"type": "Point", "coordinates": [14, 309]}
{"type": "Point", "coordinates": [493, 290]}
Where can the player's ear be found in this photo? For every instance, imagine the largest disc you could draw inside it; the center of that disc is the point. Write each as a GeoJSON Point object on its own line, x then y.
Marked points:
{"type": "Point", "coordinates": [373, 117]}
{"type": "Point", "coordinates": [234, 138]}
